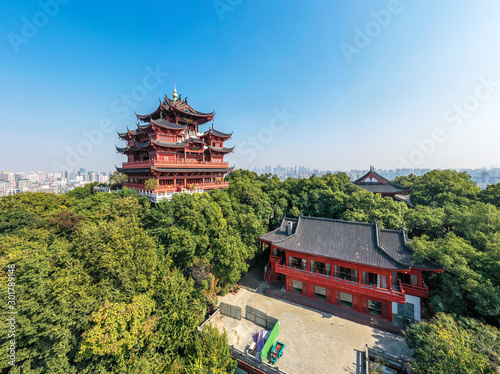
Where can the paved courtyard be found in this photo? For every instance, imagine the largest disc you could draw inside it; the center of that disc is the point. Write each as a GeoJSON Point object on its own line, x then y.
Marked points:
{"type": "Point", "coordinates": [315, 342]}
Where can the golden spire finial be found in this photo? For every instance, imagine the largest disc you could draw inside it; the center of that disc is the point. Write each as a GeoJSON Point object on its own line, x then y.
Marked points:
{"type": "Point", "coordinates": [175, 94]}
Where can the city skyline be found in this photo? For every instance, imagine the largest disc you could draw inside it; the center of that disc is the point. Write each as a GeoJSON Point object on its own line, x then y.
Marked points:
{"type": "Point", "coordinates": [63, 181]}
{"type": "Point", "coordinates": [330, 86]}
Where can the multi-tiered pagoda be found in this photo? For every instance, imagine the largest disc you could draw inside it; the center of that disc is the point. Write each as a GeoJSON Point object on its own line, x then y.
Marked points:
{"type": "Point", "coordinates": [170, 151]}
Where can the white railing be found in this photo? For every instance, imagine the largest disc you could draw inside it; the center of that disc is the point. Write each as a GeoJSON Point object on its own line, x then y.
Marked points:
{"type": "Point", "coordinates": [156, 197]}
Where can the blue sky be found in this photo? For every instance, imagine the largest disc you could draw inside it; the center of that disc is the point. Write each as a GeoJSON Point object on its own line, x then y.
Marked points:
{"type": "Point", "coordinates": [325, 84]}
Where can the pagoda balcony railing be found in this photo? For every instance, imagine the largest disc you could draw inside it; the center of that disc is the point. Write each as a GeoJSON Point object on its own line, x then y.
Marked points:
{"type": "Point", "coordinates": [411, 289]}
{"type": "Point", "coordinates": [396, 294]}
{"type": "Point", "coordinates": [170, 188]}
{"type": "Point", "coordinates": [136, 164]}
{"type": "Point", "coordinates": [157, 196]}
{"type": "Point", "coordinates": [192, 163]}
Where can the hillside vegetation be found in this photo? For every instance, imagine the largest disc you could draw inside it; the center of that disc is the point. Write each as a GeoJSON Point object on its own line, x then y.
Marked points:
{"type": "Point", "coordinates": [109, 283]}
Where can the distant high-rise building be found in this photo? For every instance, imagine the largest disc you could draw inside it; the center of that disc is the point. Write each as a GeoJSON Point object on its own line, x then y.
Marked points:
{"type": "Point", "coordinates": [485, 177]}
{"type": "Point", "coordinates": [5, 176]}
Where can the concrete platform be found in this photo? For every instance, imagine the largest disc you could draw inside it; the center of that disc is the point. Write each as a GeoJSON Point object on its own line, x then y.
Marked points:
{"type": "Point", "coordinates": [315, 341]}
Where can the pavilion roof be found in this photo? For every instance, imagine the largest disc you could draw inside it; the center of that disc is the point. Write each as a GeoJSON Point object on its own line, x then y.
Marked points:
{"type": "Point", "coordinates": [376, 183]}
{"type": "Point", "coordinates": [184, 107]}
{"type": "Point", "coordinates": [194, 139]}
{"type": "Point", "coordinates": [357, 242]}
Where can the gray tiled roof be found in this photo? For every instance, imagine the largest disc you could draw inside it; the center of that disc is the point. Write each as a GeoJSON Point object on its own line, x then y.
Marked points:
{"type": "Point", "coordinates": [132, 171]}
{"type": "Point", "coordinates": [143, 145]}
{"type": "Point", "coordinates": [162, 143]}
{"type": "Point", "coordinates": [222, 150]}
{"type": "Point", "coordinates": [168, 125]}
{"type": "Point", "coordinates": [357, 242]}
{"type": "Point", "coordinates": [382, 188]}
{"type": "Point", "coordinates": [218, 133]}
{"type": "Point", "coordinates": [280, 232]}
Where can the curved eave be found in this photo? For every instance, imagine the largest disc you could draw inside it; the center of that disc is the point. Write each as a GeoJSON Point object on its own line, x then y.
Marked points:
{"type": "Point", "coordinates": [221, 150]}
{"type": "Point", "coordinates": [168, 144]}
{"type": "Point", "coordinates": [216, 133]}
{"type": "Point", "coordinates": [144, 127]}
{"type": "Point", "coordinates": [123, 135]}
{"type": "Point", "coordinates": [121, 149]}
{"type": "Point", "coordinates": [143, 145]}
{"type": "Point", "coordinates": [145, 117]}
{"type": "Point", "coordinates": [168, 125]}
{"type": "Point", "coordinates": [132, 171]}
{"type": "Point", "coordinates": [184, 107]}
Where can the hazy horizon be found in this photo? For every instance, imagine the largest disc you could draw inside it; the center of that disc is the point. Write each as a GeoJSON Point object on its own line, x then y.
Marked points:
{"type": "Point", "coordinates": [329, 86]}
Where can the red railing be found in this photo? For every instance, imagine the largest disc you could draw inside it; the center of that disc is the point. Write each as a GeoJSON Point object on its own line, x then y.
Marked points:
{"type": "Point", "coordinates": [416, 290]}
{"type": "Point", "coordinates": [136, 163]}
{"type": "Point", "coordinates": [390, 294]}
{"type": "Point", "coordinates": [145, 163]}
{"type": "Point", "coordinates": [190, 162]}
{"type": "Point", "coordinates": [275, 258]}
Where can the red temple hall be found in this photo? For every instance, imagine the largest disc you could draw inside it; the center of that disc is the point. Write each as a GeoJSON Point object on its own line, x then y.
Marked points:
{"type": "Point", "coordinates": [170, 148]}
{"type": "Point", "coordinates": [355, 265]}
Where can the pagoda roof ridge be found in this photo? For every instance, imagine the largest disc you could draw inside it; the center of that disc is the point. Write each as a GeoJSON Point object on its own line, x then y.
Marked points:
{"type": "Point", "coordinates": [377, 176]}
{"type": "Point", "coordinates": [183, 106]}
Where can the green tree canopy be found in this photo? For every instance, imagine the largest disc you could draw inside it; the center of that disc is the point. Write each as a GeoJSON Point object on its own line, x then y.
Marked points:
{"type": "Point", "coordinates": [440, 187]}
{"type": "Point", "coordinates": [443, 346]}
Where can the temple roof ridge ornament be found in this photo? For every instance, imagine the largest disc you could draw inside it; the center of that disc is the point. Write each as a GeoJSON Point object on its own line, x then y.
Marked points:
{"type": "Point", "coordinates": [175, 93]}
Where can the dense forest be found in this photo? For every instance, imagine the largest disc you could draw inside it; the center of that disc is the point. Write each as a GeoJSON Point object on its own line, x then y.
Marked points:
{"type": "Point", "coordinates": [110, 283]}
